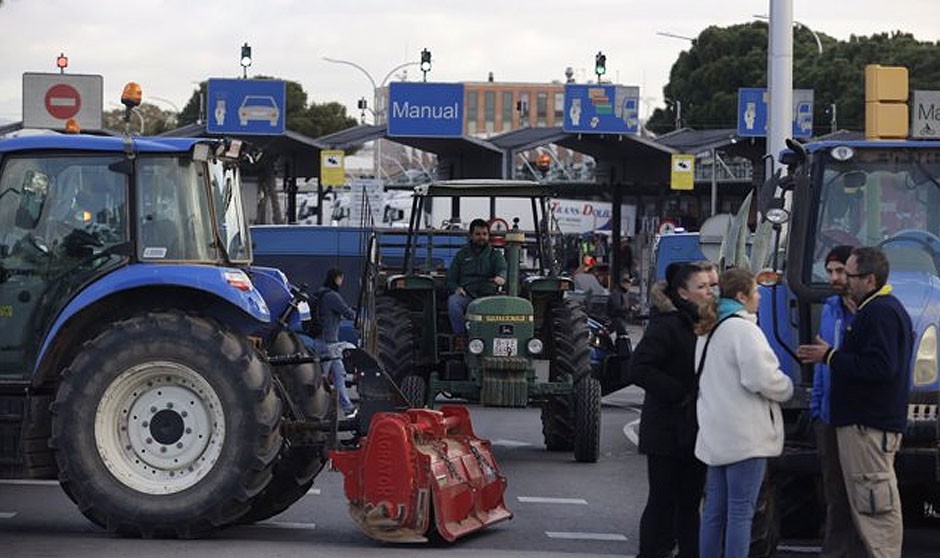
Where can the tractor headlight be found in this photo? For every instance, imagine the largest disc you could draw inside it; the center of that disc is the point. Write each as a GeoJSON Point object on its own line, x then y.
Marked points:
{"type": "Point", "coordinates": [925, 361]}
{"type": "Point", "coordinates": [475, 346]}
{"type": "Point", "coordinates": [534, 346]}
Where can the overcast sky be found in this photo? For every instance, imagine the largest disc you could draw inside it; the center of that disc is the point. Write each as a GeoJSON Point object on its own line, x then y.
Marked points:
{"type": "Point", "coordinates": [168, 46]}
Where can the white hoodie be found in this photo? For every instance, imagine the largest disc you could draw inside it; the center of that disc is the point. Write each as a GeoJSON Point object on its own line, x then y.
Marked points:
{"type": "Point", "coordinates": [741, 384]}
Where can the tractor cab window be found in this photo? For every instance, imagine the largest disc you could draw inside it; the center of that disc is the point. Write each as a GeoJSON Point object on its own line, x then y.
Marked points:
{"type": "Point", "coordinates": [58, 209]}
{"type": "Point", "coordinates": [233, 228]}
{"type": "Point", "coordinates": [63, 220]}
{"type": "Point", "coordinates": [174, 218]}
{"type": "Point", "coordinates": [881, 198]}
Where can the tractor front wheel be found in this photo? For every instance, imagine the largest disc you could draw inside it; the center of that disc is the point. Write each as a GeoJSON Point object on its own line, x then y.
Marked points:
{"type": "Point", "coordinates": [165, 424]}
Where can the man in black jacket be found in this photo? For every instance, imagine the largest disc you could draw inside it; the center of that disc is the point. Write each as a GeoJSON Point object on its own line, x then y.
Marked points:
{"type": "Point", "coordinates": [870, 384]}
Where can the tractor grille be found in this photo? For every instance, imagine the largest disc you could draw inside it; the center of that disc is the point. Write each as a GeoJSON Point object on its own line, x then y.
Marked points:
{"type": "Point", "coordinates": [505, 363]}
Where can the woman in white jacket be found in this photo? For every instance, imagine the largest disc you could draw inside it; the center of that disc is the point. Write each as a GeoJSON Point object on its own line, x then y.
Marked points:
{"type": "Point", "coordinates": [740, 423]}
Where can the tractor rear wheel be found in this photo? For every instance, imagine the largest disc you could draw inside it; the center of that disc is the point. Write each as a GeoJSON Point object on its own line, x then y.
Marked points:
{"type": "Point", "coordinates": [396, 346]}
{"type": "Point", "coordinates": [165, 424]}
{"type": "Point", "coordinates": [587, 420]}
{"type": "Point", "coordinates": [296, 466]}
{"type": "Point", "coordinates": [570, 356]}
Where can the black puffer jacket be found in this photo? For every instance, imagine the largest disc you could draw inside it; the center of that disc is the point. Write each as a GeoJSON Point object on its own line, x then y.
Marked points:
{"type": "Point", "coordinates": [663, 364]}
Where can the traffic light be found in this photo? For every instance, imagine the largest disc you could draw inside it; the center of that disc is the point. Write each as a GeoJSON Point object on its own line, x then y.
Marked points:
{"type": "Point", "coordinates": [62, 62]}
{"type": "Point", "coordinates": [425, 63]}
{"type": "Point", "coordinates": [600, 65]}
{"type": "Point", "coordinates": [886, 91]}
{"type": "Point", "coordinates": [245, 60]}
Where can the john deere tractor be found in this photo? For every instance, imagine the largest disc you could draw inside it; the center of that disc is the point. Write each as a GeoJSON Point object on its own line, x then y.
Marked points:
{"type": "Point", "coordinates": [526, 346]}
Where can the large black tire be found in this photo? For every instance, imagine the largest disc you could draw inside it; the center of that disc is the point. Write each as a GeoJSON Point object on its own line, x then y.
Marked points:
{"type": "Point", "coordinates": [587, 420]}
{"type": "Point", "coordinates": [396, 345]}
{"type": "Point", "coordinates": [40, 460]}
{"type": "Point", "coordinates": [415, 390]}
{"type": "Point", "coordinates": [296, 466]}
{"type": "Point", "coordinates": [570, 356]}
{"type": "Point", "coordinates": [765, 527]}
{"type": "Point", "coordinates": [165, 425]}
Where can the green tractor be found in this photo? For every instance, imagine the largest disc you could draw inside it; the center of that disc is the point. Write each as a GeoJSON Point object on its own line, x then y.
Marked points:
{"type": "Point", "coordinates": [526, 346]}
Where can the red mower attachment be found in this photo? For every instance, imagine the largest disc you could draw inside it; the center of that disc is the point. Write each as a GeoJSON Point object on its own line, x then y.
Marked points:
{"type": "Point", "coordinates": [413, 458]}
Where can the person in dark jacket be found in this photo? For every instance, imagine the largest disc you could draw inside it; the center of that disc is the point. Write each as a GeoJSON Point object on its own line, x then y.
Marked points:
{"type": "Point", "coordinates": [477, 270]}
{"type": "Point", "coordinates": [663, 364]}
{"type": "Point", "coordinates": [870, 377]}
{"type": "Point", "coordinates": [332, 309]}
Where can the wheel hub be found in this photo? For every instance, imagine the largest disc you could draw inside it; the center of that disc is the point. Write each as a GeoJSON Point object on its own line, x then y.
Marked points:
{"type": "Point", "coordinates": [160, 427]}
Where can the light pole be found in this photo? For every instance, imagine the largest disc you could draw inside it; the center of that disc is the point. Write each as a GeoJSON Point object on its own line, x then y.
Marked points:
{"type": "Point", "coordinates": [169, 102]}
{"type": "Point", "coordinates": [796, 23]}
{"type": "Point", "coordinates": [377, 112]}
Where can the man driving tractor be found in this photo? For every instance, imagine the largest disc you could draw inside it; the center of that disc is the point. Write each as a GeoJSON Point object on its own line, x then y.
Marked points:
{"type": "Point", "coordinates": [477, 270]}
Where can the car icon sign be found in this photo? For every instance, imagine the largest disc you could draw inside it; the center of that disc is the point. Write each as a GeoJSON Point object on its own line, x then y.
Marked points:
{"type": "Point", "coordinates": [258, 107]}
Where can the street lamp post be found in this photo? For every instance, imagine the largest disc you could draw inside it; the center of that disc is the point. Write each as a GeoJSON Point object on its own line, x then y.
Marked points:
{"type": "Point", "coordinates": [796, 23]}
{"type": "Point", "coordinates": [376, 112]}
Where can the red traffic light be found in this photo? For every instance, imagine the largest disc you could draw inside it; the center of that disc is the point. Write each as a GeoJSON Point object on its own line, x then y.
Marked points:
{"type": "Point", "coordinates": [62, 61]}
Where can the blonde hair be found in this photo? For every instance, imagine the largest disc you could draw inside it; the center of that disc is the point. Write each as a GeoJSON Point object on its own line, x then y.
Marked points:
{"type": "Point", "coordinates": [731, 283]}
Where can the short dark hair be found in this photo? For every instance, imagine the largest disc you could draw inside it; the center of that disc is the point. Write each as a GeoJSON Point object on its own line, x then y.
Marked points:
{"type": "Point", "coordinates": [477, 223]}
{"type": "Point", "coordinates": [872, 260]}
{"type": "Point", "coordinates": [839, 254]}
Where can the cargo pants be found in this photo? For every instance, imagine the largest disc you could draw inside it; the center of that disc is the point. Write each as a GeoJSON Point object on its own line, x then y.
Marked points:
{"type": "Point", "coordinates": [867, 458]}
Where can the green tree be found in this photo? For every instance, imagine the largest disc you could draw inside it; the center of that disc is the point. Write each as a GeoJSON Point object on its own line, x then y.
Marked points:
{"type": "Point", "coordinates": [706, 78]}
{"type": "Point", "coordinates": [149, 120]}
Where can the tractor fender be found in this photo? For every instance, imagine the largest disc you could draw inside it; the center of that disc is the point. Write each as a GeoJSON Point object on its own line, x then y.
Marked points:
{"type": "Point", "coordinates": [228, 283]}
{"type": "Point", "coordinates": [412, 460]}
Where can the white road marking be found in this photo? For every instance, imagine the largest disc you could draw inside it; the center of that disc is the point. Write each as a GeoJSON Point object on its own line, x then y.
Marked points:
{"type": "Point", "coordinates": [7, 515]}
{"type": "Point", "coordinates": [313, 492]}
{"type": "Point", "coordinates": [29, 482]}
{"type": "Point", "coordinates": [543, 500]}
{"type": "Point", "coordinates": [630, 431]}
{"type": "Point", "coordinates": [807, 549]}
{"type": "Point", "coordinates": [286, 525]}
{"type": "Point", "coordinates": [509, 443]}
{"type": "Point", "coordinates": [586, 536]}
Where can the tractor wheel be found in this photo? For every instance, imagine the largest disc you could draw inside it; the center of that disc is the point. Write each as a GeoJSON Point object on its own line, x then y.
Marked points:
{"type": "Point", "coordinates": [396, 345]}
{"type": "Point", "coordinates": [570, 357]}
{"type": "Point", "coordinates": [558, 423]}
{"type": "Point", "coordinates": [415, 390]}
{"type": "Point", "coordinates": [587, 420]}
{"type": "Point", "coordinates": [165, 424]}
{"type": "Point", "coordinates": [765, 527]}
{"type": "Point", "coordinates": [296, 466]}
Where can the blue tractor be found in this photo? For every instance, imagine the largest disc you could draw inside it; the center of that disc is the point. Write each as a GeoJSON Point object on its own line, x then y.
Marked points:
{"type": "Point", "coordinates": [145, 363]}
{"type": "Point", "coordinates": [859, 193]}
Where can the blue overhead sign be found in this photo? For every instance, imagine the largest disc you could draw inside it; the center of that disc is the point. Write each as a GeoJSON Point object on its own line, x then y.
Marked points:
{"type": "Point", "coordinates": [602, 109]}
{"type": "Point", "coordinates": [752, 112]}
{"type": "Point", "coordinates": [246, 106]}
{"type": "Point", "coordinates": [425, 109]}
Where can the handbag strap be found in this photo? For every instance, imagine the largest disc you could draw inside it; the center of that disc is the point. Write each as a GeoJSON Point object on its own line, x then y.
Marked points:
{"type": "Point", "coordinates": [708, 340]}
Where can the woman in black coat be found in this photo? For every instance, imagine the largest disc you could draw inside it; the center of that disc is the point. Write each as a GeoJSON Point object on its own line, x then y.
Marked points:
{"type": "Point", "coordinates": [663, 364]}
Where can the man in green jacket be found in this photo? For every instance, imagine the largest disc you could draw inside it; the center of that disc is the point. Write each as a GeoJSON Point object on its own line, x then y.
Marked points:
{"type": "Point", "coordinates": [477, 270]}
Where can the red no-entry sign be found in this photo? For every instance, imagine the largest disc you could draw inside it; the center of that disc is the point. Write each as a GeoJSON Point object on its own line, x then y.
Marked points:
{"type": "Point", "coordinates": [49, 100]}
{"type": "Point", "coordinates": [63, 101]}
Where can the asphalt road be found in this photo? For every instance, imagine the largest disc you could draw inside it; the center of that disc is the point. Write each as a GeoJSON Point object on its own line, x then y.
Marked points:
{"type": "Point", "coordinates": [561, 509]}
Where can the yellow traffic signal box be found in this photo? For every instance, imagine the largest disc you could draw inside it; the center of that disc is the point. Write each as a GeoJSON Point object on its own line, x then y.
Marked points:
{"type": "Point", "coordinates": [886, 91]}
